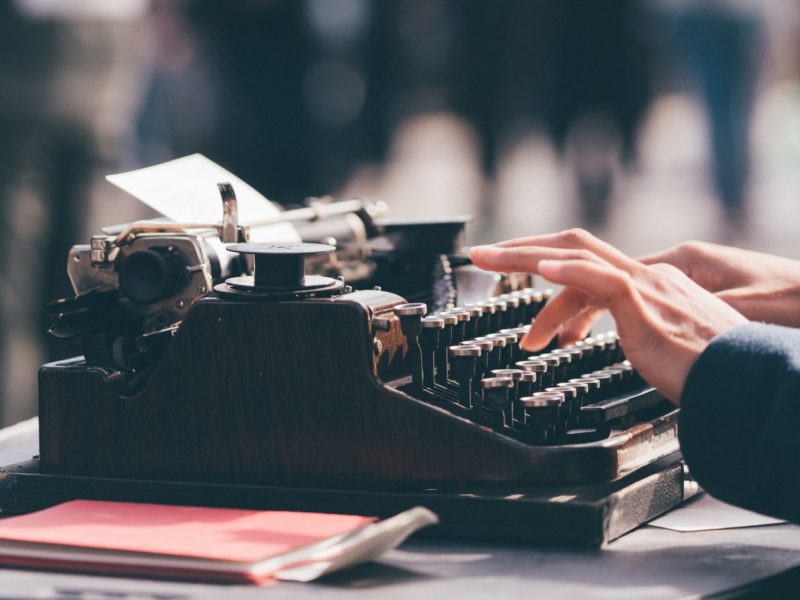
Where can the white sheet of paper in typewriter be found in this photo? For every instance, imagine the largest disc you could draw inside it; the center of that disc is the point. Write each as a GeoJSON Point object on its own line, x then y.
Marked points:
{"type": "Point", "coordinates": [185, 190]}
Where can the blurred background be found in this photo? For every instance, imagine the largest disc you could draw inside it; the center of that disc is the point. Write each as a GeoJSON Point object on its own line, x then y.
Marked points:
{"type": "Point", "coordinates": [646, 121]}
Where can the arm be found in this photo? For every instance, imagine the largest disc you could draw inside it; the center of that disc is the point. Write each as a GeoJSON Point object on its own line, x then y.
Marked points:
{"type": "Point", "coordinates": [740, 419]}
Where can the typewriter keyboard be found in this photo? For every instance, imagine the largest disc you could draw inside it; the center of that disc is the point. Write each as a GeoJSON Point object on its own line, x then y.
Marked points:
{"type": "Point", "coordinates": [469, 360]}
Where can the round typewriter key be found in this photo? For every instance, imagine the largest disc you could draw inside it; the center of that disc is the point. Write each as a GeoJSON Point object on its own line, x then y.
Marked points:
{"type": "Point", "coordinates": [449, 320]}
{"type": "Point", "coordinates": [499, 338]}
{"type": "Point", "coordinates": [445, 340]}
{"type": "Point", "coordinates": [428, 341]}
{"type": "Point", "coordinates": [460, 330]}
{"type": "Point", "coordinates": [486, 347]}
{"type": "Point", "coordinates": [581, 387]}
{"type": "Point", "coordinates": [527, 383]}
{"type": "Point", "coordinates": [601, 350]}
{"type": "Point", "coordinates": [542, 409]}
{"type": "Point", "coordinates": [606, 383]}
{"type": "Point", "coordinates": [586, 348]}
{"type": "Point", "coordinates": [515, 374]}
{"type": "Point", "coordinates": [496, 393]}
{"type": "Point", "coordinates": [486, 307]}
{"type": "Point", "coordinates": [411, 309]}
{"type": "Point", "coordinates": [463, 366]}
{"type": "Point", "coordinates": [473, 311]}
{"type": "Point", "coordinates": [513, 317]}
{"type": "Point", "coordinates": [496, 356]}
{"type": "Point", "coordinates": [627, 371]}
{"type": "Point", "coordinates": [508, 354]}
{"type": "Point", "coordinates": [539, 367]}
{"type": "Point", "coordinates": [472, 325]}
{"type": "Point", "coordinates": [432, 322]}
{"type": "Point", "coordinates": [617, 374]}
{"type": "Point", "coordinates": [593, 384]}
{"type": "Point", "coordinates": [554, 365]}
{"type": "Point", "coordinates": [485, 323]}
{"type": "Point", "coordinates": [537, 303]}
{"type": "Point", "coordinates": [571, 400]}
{"type": "Point", "coordinates": [464, 350]}
{"type": "Point", "coordinates": [502, 314]}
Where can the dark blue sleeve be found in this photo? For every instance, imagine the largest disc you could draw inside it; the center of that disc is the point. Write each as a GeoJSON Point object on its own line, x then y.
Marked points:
{"type": "Point", "coordinates": [740, 419]}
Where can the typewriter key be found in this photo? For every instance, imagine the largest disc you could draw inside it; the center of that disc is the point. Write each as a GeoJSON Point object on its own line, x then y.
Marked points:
{"type": "Point", "coordinates": [513, 315]}
{"type": "Point", "coordinates": [516, 391]}
{"type": "Point", "coordinates": [460, 329]}
{"type": "Point", "coordinates": [445, 340]}
{"type": "Point", "coordinates": [472, 325]}
{"type": "Point", "coordinates": [593, 391]}
{"type": "Point", "coordinates": [554, 366]}
{"type": "Point", "coordinates": [495, 397]}
{"type": "Point", "coordinates": [486, 320]}
{"type": "Point", "coordinates": [543, 374]}
{"type": "Point", "coordinates": [463, 366]}
{"type": "Point", "coordinates": [571, 401]}
{"type": "Point", "coordinates": [506, 346]}
{"type": "Point", "coordinates": [527, 383]}
{"type": "Point", "coordinates": [500, 316]}
{"type": "Point", "coordinates": [543, 409]}
{"type": "Point", "coordinates": [429, 340]}
{"type": "Point", "coordinates": [498, 356]}
{"type": "Point", "coordinates": [486, 347]}
{"type": "Point", "coordinates": [410, 316]}
{"type": "Point", "coordinates": [581, 387]}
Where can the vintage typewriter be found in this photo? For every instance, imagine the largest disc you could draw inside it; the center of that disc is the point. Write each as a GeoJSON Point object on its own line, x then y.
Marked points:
{"type": "Point", "coordinates": [369, 377]}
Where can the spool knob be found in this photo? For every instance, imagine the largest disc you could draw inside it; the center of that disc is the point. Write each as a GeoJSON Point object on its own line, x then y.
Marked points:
{"type": "Point", "coordinates": [279, 272]}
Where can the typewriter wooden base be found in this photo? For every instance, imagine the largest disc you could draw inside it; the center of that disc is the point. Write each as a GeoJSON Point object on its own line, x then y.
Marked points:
{"type": "Point", "coordinates": [286, 394]}
{"type": "Point", "coordinates": [583, 516]}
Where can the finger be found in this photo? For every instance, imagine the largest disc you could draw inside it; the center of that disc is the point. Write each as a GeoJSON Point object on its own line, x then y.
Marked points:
{"type": "Point", "coordinates": [604, 285]}
{"type": "Point", "coordinates": [523, 259]}
{"type": "Point", "coordinates": [552, 318]}
{"type": "Point", "coordinates": [575, 238]}
{"type": "Point", "coordinates": [670, 256]}
{"type": "Point", "coordinates": [579, 327]}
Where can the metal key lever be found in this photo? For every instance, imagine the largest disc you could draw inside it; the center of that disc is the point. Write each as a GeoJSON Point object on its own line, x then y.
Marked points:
{"type": "Point", "coordinates": [463, 363]}
{"type": "Point", "coordinates": [410, 316]}
{"type": "Point", "coordinates": [428, 341]}
{"type": "Point", "coordinates": [445, 341]}
{"type": "Point", "coordinates": [496, 401]}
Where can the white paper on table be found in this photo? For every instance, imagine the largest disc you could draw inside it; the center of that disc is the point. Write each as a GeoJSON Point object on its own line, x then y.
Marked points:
{"type": "Point", "coordinates": [365, 544]}
{"type": "Point", "coordinates": [185, 190]}
{"type": "Point", "coordinates": [706, 513]}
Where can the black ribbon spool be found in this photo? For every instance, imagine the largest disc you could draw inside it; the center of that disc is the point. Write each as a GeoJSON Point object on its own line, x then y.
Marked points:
{"type": "Point", "coordinates": [280, 272]}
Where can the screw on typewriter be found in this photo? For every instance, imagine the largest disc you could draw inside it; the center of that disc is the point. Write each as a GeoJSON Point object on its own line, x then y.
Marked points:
{"type": "Point", "coordinates": [279, 273]}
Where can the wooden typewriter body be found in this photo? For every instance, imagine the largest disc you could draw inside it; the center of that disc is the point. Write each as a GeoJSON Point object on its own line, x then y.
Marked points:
{"type": "Point", "coordinates": [289, 393]}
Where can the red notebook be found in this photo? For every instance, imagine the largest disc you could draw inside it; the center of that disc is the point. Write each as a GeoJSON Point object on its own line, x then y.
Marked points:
{"type": "Point", "coordinates": [157, 540]}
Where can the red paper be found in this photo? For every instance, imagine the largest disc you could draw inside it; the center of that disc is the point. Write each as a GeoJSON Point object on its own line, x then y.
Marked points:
{"type": "Point", "coordinates": [187, 531]}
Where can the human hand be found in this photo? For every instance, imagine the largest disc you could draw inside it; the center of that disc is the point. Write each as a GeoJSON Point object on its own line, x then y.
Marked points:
{"type": "Point", "coordinates": [664, 319]}
{"type": "Point", "coordinates": [761, 286]}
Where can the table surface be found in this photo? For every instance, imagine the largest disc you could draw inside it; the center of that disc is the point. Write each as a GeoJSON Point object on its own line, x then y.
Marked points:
{"type": "Point", "coordinates": [647, 563]}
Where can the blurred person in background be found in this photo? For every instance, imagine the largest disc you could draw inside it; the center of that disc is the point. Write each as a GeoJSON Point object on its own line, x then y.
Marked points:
{"type": "Point", "coordinates": [722, 45]}
{"type": "Point", "coordinates": [278, 91]}
{"type": "Point", "coordinates": [65, 85]}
